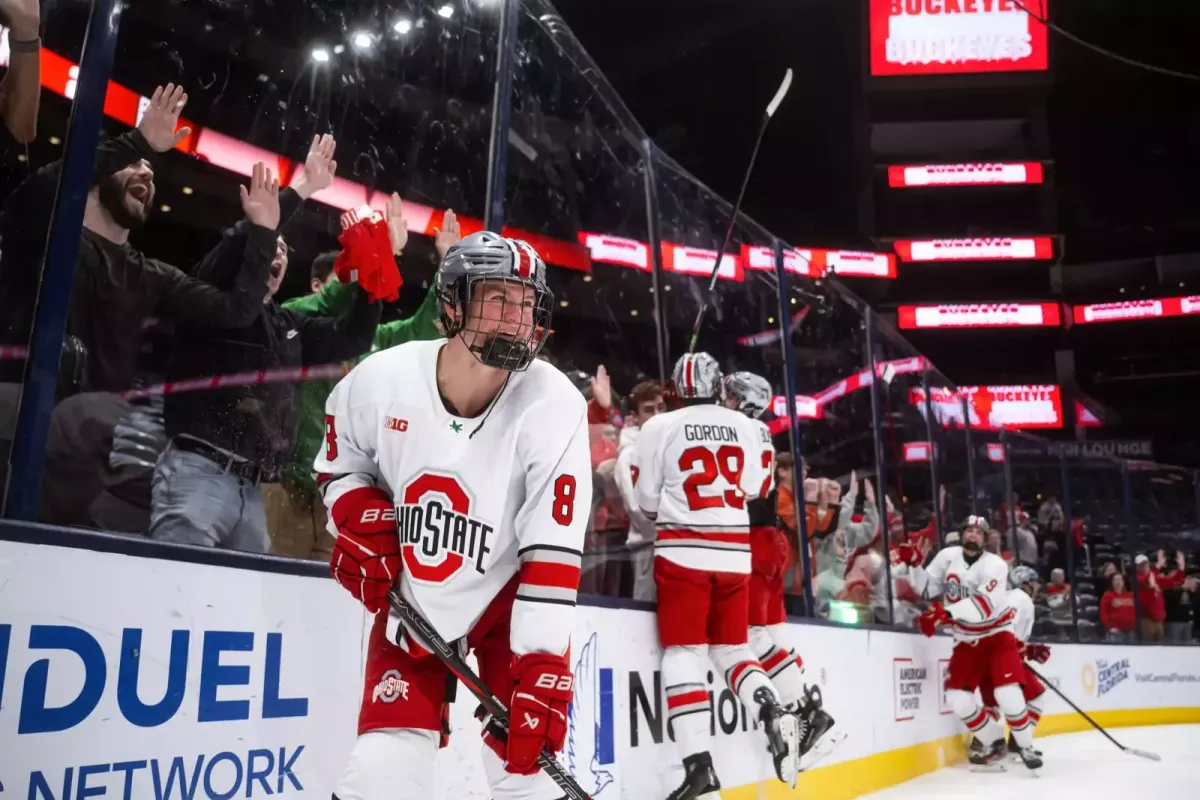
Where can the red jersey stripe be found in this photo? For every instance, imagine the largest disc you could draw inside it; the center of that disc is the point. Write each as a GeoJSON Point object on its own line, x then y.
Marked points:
{"type": "Point", "coordinates": [548, 573]}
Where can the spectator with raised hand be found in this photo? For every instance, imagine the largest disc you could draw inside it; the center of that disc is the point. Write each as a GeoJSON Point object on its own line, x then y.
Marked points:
{"type": "Point", "coordinates": [116, 290]}
{"type": "Point", "coordinates": [1177, 598]}
{"type": "Point", "coordinates": [647, 400]}
{"type": "Point", "coordinates": [117, 287]}
{"type": "Point", "coordinates": [21, 86]}
{"type": "Point", "coordinates": [226, 442]}
{"type": "Point", "coordinates": [295, 514]}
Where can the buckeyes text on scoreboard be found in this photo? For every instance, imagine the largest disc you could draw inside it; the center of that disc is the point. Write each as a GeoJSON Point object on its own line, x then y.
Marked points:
{"type": "Point", "coordinates": [979, 315]}
{"type": "Point", "coordinates": [995, 407]}
{"type": "Point", "coordinates": [994, 174]}
{"type": "Point", "coordinates": [1011, 248]}
{"type": "Point", "coordinates": [943, 37]}
{"type": "Point", "coordinates": [1156, 308]}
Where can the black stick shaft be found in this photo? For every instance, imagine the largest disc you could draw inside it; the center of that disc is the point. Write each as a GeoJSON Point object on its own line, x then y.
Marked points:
{"type": "Point", "coordinates": [1082, 713]}
{"type": "Point", "coordinates": [454, 662]}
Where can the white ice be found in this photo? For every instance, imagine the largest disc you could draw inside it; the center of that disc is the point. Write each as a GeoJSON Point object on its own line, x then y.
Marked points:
{"type": "Point", "coordinates": [1082, 765]}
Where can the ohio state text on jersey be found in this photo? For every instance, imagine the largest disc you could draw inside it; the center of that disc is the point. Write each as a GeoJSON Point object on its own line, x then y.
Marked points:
{"type": "Point", "coordinates": [697, 467]}
{"type": "Point", "coordinates": [974, 595]}
{"type": "Point", "coordinates": [477, 500]}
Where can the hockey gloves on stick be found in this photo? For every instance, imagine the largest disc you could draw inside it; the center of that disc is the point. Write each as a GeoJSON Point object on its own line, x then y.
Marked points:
{"type": "Point", "coordinates": [366, 553]}
{"type": "Point", "coordinates": [538, 711]}
{"type": "Point", "coordinates": [932, 618]}
{"type": "Point", "coordinates": [1037, 653]}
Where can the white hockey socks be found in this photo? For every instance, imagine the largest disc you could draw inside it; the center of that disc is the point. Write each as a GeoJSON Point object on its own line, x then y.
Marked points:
{"type": "Point", "coordinates": [782, 665]}
{"type": "Point", "coordinates": [742, 672]}
{"type": "Point", "coordinates": [684, 670]}
{"type": "Point", "coordinates": [974, 716]}
{"type": "Point", "coordinates": [1012, 702]}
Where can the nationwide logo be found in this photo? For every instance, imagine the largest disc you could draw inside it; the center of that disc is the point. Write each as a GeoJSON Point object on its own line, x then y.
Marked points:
{"type": "Point", "coordinates": [590, 750]}
{"type": "Point", "coordinates": [1102, 676]}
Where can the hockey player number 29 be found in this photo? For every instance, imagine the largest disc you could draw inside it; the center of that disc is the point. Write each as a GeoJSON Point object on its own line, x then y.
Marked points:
{"type": "Point", "coordinates": [330, 439]}
{"type": "Point", "coordinates": [727, 462]}
{"type": "Point", "coordinates": [564, 499]}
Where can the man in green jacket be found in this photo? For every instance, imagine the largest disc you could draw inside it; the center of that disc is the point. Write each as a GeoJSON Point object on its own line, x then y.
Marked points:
{"type": "Point", "coordinates": [295, 515]}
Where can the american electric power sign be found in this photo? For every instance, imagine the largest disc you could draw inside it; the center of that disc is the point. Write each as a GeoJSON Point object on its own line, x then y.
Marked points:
{"type": "Point", "coordinates": [942, 37]}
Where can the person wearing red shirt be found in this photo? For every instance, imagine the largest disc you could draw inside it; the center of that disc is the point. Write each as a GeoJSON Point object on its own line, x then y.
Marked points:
{"type": "Point", "coordinates": [1151, 584]}
{"type": "Point", "coordinates": [1117, 613]}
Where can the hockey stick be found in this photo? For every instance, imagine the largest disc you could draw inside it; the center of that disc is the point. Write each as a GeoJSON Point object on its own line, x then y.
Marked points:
{"type": "Point", "coordinates": [1096, 725]}
{"type": "Point", "coordinates": [772, 107]}
{"type": "Point", "coordinates": [450, 657]}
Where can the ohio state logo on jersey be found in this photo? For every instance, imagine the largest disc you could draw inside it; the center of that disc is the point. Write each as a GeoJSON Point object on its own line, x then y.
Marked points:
{"type": "Point", "coordinates": [954, 589]}
{"type": "Point", "coordinates": [438, 535]}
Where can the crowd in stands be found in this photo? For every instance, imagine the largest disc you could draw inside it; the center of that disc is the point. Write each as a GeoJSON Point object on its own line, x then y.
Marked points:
{"type": "Point", "coordinates": [230, 467]}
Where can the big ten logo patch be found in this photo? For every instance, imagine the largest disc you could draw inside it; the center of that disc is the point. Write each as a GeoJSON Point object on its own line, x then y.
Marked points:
{"type": "Point", "coordinates": [908, 687]}
{"type": "Point", "coordinates": [1102, 676]}
{"type": "Point", "coordinates": [943, 674]}
{"type": "Point", "coordinates": [391, 687]}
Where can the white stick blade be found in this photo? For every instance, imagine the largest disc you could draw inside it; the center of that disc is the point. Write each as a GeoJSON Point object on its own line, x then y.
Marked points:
{"type": "Point", "coordinates": [773, 106]}
{"type": "Point", "coordinates": [1145, 754]}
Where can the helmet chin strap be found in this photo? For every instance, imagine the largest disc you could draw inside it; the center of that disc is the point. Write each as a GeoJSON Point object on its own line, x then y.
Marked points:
{"type": "Point", "coordinates": [501, 352]}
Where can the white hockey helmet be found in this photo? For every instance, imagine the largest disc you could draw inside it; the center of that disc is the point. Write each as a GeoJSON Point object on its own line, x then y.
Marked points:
{"type": "Point", "coordinates": [1021, 575]}
{"type": "Point", "coordinates": [697, 376]}
{"type": "Point", "coordinates": [488, 257]}
{"type": "Point", "coordinates": [752, 392]}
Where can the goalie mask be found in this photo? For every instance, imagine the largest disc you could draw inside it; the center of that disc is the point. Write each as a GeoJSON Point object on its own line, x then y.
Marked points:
{"type": "Point", "coordinates": [748, 393]}
{"type": "Point", "coordinates": [697, 377]}
{"type": "Point", "coordinates": [494, 295]}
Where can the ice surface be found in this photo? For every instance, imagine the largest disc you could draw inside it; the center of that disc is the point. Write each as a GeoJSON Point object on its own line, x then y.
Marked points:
{"type": "Point", "coordinates": [1077, 765]}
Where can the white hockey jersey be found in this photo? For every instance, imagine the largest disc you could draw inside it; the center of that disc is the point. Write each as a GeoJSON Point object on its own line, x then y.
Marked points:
{"type": "Point", "coordinates": [766, 456]}
{"type": "Point", "coordinates": [625, 474]}
{"type": "Point", "coordinates": [1022, 605]}
{"type": "Point", "coordinates": [974, 595]}
{"type": "Point", "coordinates": [696, 468]}
{"type": "Point", "coordinates": [477, 500]}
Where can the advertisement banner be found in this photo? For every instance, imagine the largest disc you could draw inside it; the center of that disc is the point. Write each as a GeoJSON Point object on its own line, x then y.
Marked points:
{"type": "Point", "coordinates": [1127, 310]}
{"type": "Point", "coordinates": [1017, 248]}
{"type": "Point", "coordinates": [996, 174]}
{"type": "Point", "coordinates": [995, 407]}
{"type": "Point", "coordinates": [932, 37]}
{"type": "Point", "coordinates": [979, 315]}
{"type": "Point", "coordinates": [178, 681]}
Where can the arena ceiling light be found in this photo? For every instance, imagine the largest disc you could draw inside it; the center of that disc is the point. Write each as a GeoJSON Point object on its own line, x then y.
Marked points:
{"type": "Point", "coordinates": [362, 40]}
{"type": "Point", "coordinates": [403, 26]}
{"type": "Point", "coordinates": [446, 11]}
{"type": "Point", "coordinates": [320, 55]}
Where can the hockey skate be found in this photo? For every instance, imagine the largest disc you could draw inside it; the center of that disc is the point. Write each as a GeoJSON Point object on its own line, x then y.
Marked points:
{"type": "Point", "coordinates": [1032, 759]}
{"type": "Point", "coordinates": [1014, 750]}
{"type": "Point", "coordinates": [700, 780]}
{"type": "Point", "coordinates": [987, 758]}
{"type": "Point", "coordinates": [817, 739]}
{"type": "Point", "coordinates": [783, 736]}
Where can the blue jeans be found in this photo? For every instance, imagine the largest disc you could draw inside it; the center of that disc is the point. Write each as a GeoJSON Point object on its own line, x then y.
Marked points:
{"type": "Point", "coordinates": [197, 502]}
{"type": "Point", "coordinates": [1179, 632]}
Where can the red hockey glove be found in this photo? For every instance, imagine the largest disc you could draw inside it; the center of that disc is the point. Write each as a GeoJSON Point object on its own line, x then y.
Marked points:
{"type": "Point", "coordinates": [1037, 653]}
{"type": "Point", "coordinates": [910, 554]}
{"type": "Point", "coordinates": [538, 712]}
{"type": "Point", "coordinates": [366, 553]}
{"type": "Point", "coordinates": [933, 617]}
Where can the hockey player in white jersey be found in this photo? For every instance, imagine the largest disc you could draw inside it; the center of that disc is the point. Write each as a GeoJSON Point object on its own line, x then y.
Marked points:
{"type": "Point", "coordinates": [769, 555]}
{"type": "Point", "coordinates": [459, 468]}
{"type": "Point", "coordinates": [647, 399]}
{"type": "Point", "coordinates": [974, 585]}
{"type": "Point", "coordinates": [697, 466]}
{"type": "Point", "coordinates": [1020, 597]}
